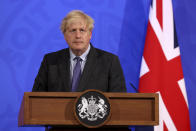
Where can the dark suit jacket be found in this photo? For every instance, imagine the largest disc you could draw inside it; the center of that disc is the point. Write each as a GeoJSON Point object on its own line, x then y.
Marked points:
{"type": "Point", "coordinates": [102, 71]}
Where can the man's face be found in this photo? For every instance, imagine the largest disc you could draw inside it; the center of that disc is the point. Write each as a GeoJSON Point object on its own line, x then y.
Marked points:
{"type": "Point", "coordinates": [78, 36]}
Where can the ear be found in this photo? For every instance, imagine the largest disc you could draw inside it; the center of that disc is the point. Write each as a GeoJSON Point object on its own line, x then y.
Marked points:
{"type": "Point", "coordinates": [90, 34]}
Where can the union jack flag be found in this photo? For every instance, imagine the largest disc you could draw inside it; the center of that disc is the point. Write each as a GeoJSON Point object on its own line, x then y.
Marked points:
{"type": "Point", "coordinates": [161, 69]}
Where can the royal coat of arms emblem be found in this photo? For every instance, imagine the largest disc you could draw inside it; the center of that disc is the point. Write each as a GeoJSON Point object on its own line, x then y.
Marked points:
{"type": "Point", "coordinates": [92, 108]}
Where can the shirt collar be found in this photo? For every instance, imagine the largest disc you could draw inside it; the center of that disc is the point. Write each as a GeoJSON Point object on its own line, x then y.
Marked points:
{"type": "Point", "coordinates": [83, 56]}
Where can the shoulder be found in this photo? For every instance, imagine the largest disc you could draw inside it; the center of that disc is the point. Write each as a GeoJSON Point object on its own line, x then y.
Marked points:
{"type": "Point", "coordinates": [56, 53]}
{"type": "Point", "coordinates": [102, 53]}
{"type": "Point", "coordinates": [103, 56]}
{"type": "Point", "coordinates": [57, 56]}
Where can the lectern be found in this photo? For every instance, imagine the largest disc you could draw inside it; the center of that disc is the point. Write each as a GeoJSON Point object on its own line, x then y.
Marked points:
{"type": "Point", "coordinates": [57, 109]}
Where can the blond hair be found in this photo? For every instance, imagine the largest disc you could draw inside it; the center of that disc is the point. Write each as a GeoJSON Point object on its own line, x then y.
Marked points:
{"type": "Point", "coordinates": [73, 15]}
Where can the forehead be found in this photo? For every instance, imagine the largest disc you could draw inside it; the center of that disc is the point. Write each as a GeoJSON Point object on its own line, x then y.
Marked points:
{"type": "Point", "coordinates": [77, 23]}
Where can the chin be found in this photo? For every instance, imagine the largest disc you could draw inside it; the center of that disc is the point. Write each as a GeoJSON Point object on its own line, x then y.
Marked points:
{"type": "Point", "coordinates": [78, 49]}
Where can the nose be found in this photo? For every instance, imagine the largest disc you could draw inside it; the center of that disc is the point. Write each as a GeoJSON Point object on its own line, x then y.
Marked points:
{"type": "Point", "coordinates": [78, 34]}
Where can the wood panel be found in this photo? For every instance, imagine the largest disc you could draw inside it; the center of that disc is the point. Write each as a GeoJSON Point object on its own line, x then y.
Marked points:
{"type": "Point", "coordinates": [52, 108]}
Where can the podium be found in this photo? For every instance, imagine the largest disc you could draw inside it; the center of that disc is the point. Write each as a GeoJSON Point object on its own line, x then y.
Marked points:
{"type": "Point", "coordinates": [56, 109]}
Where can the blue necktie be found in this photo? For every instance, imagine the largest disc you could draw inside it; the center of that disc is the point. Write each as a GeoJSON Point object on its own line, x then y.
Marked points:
{"type": "Point", "coordinates": [76, 74]}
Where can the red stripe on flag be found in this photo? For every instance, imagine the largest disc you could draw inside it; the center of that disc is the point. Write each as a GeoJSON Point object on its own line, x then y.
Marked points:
{"type": "Point", "coordinates": [159, 14]}
{"type": "Point", "coordinates": [164, 127]}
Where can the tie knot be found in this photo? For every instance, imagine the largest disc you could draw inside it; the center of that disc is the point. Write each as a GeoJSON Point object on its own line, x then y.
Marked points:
{"type": "Point", "coordinates": [77, 58]}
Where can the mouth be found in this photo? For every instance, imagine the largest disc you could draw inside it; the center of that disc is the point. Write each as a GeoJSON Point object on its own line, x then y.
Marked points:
{"type": "Point", "coordinates": [77, 42]}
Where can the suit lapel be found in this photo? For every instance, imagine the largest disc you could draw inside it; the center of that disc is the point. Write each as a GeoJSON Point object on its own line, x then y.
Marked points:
{"type": "Point", "coordinates": [65, 70]}
{"type": "Point", "coordinates": [88, 69]}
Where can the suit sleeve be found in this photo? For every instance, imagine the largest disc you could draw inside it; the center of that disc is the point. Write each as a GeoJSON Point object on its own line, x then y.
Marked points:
{"type": "Point", "coordinates": [116, 77]}
{"type": "Point", "coordinates": [40, 83]}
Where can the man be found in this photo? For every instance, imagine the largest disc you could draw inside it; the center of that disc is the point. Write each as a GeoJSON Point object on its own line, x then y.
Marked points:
{"type": "Point", "coordinates": [81, 66]}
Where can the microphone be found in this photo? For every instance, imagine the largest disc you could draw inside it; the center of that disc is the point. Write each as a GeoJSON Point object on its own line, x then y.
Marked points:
{"type": "Point", "coordinates": [133, 87]}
